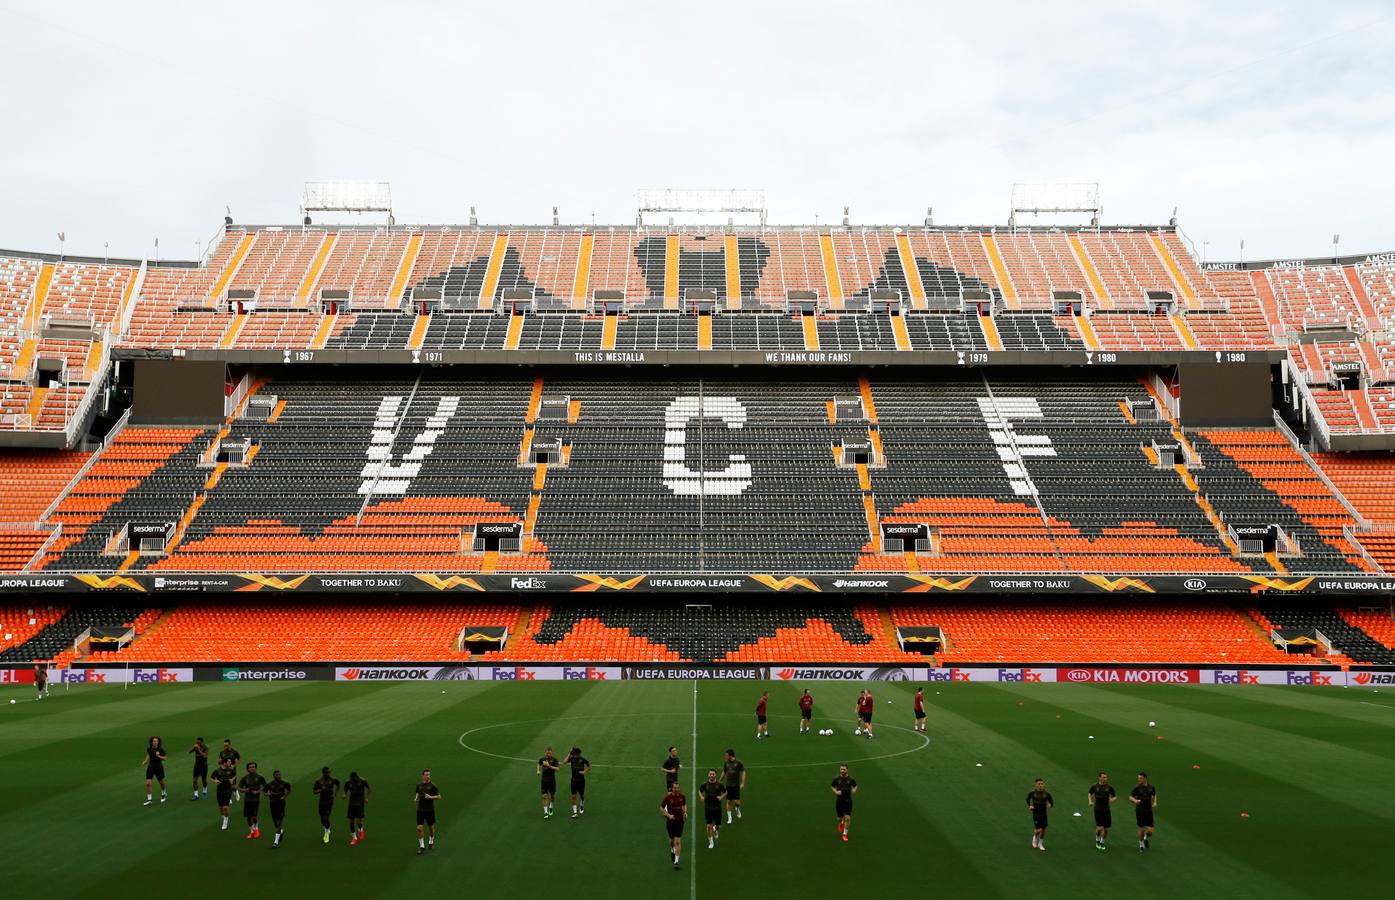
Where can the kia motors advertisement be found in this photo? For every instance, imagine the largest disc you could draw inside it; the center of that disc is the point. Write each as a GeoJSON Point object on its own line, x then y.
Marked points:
{"type": "Point", "coordinates": [1129, 676]}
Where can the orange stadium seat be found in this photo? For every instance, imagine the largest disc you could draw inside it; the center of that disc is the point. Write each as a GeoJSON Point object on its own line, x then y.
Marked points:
{"type": "Point", "coordinates": [1096, 632]}
{"type": "Point", "coordinates": [303, 632]}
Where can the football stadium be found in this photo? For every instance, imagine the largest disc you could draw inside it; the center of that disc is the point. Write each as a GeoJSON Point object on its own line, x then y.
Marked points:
{"type": "Point", "coordinates": [803, 552]}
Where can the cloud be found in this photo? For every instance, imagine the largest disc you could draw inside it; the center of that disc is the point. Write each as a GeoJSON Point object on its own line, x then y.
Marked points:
{"type": "Point", "coordinates": [1271, 123]}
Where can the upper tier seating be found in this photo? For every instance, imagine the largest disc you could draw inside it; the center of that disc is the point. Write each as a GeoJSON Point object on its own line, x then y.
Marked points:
{"type": "Point", "coordinates": [1257, 478]}
{"type": "Point", "coordinates": [1367, 480]}
{"type": "Point", "coordinates": [394, 475]}
{"type": "Point", "coordinates": [29, 483]}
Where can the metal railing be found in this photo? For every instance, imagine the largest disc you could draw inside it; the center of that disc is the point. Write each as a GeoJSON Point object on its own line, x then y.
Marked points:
{"type": "Point", "coordinates": [1297, 445]}
{"type": "Point", "coordinates": [1315, 417]}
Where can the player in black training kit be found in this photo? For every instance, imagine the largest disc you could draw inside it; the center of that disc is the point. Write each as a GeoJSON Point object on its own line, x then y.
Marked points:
{"type": "Point", "coordinates": [325, 788]}
{"type": "Point", "coordinates": [232, 758]}
{"type": "Point", "coordinates": [547, 771]}
{"type": "Point", "coordinates": [580, 766]}
{"type": "Point", "coordinates": [277, 791]}
{"type": "Point", "coordinates": [224, 777]}
{"type": "Point", "coordinates": [1100, 796]}
{"type": "Point", "coordinates": [200, 751]}
{"type": "Point", "coordinates": [426, 796]}
{"type": "Point", "coordinates": [712, 792]}
{"type": "Point", "coordinates": [844, 787]}
{"type": "Point", "coordinates": [734, 771]}
{"type": "Point", "coordinates": [1039, 801]}
{"type": "Point", "coordinates": [252, 786]}
{"type": "Point", "coordinates": [671, 766]}
{"type": "Point", "coordinates": [154, 763]}
{"type": "Point", "coordinates": [41, 680]}
{"type": "Point", "coordinates": [1145, 799]}
{"type": "Point", "coordinates": [358, 792]}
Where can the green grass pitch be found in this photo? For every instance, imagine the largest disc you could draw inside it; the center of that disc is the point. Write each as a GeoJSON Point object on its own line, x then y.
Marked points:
{"type": "Point", "coordinates": [1313, 767]}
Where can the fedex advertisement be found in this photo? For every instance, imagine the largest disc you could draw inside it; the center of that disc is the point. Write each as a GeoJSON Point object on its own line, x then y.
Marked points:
{"type": "Point", "coordinates": [144, 675]}
{"type": "Point", "coordinates": [477, 673]}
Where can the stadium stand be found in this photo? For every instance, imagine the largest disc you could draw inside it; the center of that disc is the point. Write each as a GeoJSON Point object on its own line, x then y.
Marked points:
{"type": "Point", "coordinates": [1379, 626]}
{"type": "Point", "coordinates": [1258, 478]}
{"type": "Point", "coordinates": [30, 483]}
{"type": "Point", "coordinates": [1350, 643]}
{"type": "Point", "coordinates": [54, 641]}
{"type": "Point", "coordinates": [726, 632]}
{"type": "Point", "coordinates": [1009, 470]}
{"type": "Point", "coordinates": [1367, 481]}
{"type": "Point", "coordinates": [21, 621]}
{"type": "Point", "coordinates": [245, 632]}
{"type": "Point", "coordinates": [1004, 631]}
{"type": "Point", "coordinates": [138, 479]}
{"type": "Point", "coordinates": [396, 474]}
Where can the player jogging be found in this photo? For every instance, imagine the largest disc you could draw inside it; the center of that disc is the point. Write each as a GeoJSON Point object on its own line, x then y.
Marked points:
{"type": "Point", "coordinates": [200, 751]}
{"type": "Point", "coordinates": [276, 791]}
{"type": "Point", "coordinates": [671, 766]}
{"type": "Point", "coordinates": [806, 711]}
{"type": "Point", "coordinates": [426, 796]}
{"type": "Point", "coordinates": [844, 787]}
{"type": "Point", "coordinates": [580, 766]}
{"type": "Point", "coordinates": [252, 785]}
{"type": "Point", "coordinates": [762, 729]}
{"type": "Point", "coordinates": [325, 787]}
{"type": "Point", "coordinates": [41, 680]}
{"type": "Point", "coordinates": [1039, 801]}
{"type": "Point", "coordinates": [919, 710]}
{"type": "Point", "coordinates": [224, 777]}
{"type": "Point", "coordinates": [674, 806]}
{"type": "Point", "coordinates": [1101, 795]}
{"type": "Point", "coordinates": [712, 792]}
{"type": "Point", "coordinates": [548, 767]}
{"type": "Point", "coordinates": [1145, 799]}
{"type": "Point", "coordinates": [358, 792]}
{"type": "Point", "coordinates": [734, 771]}
{"type": "Point", "coordinates": [154, 763]}
{"type": "Point", "coordinates": [864, 713]}
{"type": "Point", "coordinates": [233, 759]}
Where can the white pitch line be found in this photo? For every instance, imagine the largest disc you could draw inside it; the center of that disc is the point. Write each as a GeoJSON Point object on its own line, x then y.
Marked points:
{"type": "Point", "coordinates": [924, 741]}
{"type": "Point", "coordinates": [695, 844]}
{"type": "Point", "coordinates": [1381, 705]}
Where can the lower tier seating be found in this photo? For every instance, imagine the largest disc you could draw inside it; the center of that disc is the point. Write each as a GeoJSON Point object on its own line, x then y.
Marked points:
{"type": "Point", "coordinates": [54, 641]}
{"type": "Point", "coordinates": [1348, 638]}
{"type": "Point", "coordinates": [21, 621]}
{"type": "Point", "coordinates": [30, 481]}
{"type": "Point", "coordinates": [592, 630]}
{"type": "Point", "coordinates": [203, 632]}
{"type": "Point", "coordinates": [722, 632]}
{"type": "Point", "coordinates": [1005, 631]}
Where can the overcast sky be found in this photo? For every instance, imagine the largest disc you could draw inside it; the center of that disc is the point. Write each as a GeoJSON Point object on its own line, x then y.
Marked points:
{"type": "Point", "coordinates": [1268, 122]}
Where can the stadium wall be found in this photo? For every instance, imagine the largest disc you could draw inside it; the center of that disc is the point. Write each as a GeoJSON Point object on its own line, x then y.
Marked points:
{"type": "Point", "coordinates": [1044, 673]}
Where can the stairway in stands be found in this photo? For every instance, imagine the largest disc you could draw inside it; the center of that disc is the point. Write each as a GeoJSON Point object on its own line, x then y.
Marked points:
{"type": "Point", "coordinates": [56, 639]}
{"type": "Point", "coordinates": [1349, 640]}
